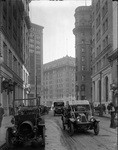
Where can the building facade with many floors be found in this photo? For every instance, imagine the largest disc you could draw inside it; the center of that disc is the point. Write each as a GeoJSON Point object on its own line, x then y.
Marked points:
{"type": "Point", "coordinates": [82, 32]}
{"type": "Point", "coordinates": [102, 45]}
{"type": "Point", "coordinates": [36, 59]}
{"type": "Point", "coordinates": [14, 28]}
{"type": "Point", "coordinates": [59, 80]}
{"type": "Point", "coordinates": [113, 56]}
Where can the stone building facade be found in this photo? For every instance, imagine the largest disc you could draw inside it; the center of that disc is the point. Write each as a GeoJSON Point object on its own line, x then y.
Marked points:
{"type": "Point", "coordinates": [36, 59]}
{"type": "Point", "coordinates": [14, 28]}
{"type": "Point", "coordinates": [113, 56]}
{"type": "Point", "coordinates": [82, 32]}
{"type": "Point", "coordinates": [102, 45]}
{"type": "Point", "coordinates": [59, 80]}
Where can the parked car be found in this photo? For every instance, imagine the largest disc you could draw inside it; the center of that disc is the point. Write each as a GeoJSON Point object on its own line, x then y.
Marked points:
{"type": "Point", "coordinates": [28, 128]}
{"type": "Point", "coordinates": [78, 116]}
{"type": "Point", "coordinates": [58, 107]}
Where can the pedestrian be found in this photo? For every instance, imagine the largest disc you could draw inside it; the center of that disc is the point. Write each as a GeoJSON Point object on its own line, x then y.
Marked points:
{"type": "Point", "coordinates": [1, 114]}
{"type": "Point", "coordinates": [112, 113]}
{"type": "Point", "coordinates": [104, 108]}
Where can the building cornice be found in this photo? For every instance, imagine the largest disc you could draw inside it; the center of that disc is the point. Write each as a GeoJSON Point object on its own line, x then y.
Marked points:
{"type": "Point", "coordinates": [80, 28]}
{"type": "Point", "coordinates": [113, 55]}
{"type": "Point", "coordinates": [27, 20]}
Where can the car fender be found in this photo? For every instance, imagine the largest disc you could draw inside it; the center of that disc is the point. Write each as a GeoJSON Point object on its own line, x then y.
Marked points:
{"type": "Point", "coordinates": [72, 119]}
{"type": "Point", "coordinates": [97, 120]}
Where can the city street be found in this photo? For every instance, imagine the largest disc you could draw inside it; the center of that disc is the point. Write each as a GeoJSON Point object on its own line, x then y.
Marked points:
{"type": "Point", "coordinates": [106, 140]}
{"type": "Point", "coordinates": [57, 139]}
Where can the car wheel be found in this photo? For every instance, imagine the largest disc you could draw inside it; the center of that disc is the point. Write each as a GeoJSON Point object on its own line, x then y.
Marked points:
{"type": "Point", "coordinates": [43, 137]}
{"type": "Point", "coordinates": [8, 138]}
{"type": "Point", "coordinates": [71, 129]}
{"type": "Point", "coordinates": [96, 128]}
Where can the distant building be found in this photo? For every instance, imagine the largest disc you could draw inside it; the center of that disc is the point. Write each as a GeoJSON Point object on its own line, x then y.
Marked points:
{"type": "Point", "coordinates": [102, 45]}
{"type": "Point", "coordinates": [82, 32]}
{"type": "Point", "coordinates": [36, 59]}
{"type": "Point", "coordinates": [59, 80]}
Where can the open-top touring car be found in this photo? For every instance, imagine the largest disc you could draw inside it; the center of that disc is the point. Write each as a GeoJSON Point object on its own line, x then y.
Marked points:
{"type": "Point", "coordinates": [28, 127]}
{"type": "Point", "coordinates": [78, 116]}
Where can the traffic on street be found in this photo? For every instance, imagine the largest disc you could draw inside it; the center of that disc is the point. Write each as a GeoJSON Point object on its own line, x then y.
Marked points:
{"type": "Point", "coordinates": [58, 74]}
{"type": "Point", "coordinates": [59, 139]}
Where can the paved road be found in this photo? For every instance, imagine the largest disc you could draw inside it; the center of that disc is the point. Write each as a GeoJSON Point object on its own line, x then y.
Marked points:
{"type": "Point", "coordinates": [106, 140]}
{"type": "Point", "coordinates": [57, 139]}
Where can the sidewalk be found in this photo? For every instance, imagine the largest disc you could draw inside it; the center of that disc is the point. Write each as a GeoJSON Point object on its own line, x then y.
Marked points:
{"type": "Point", "coordinates": [53, 140]}
{"type": "Point", "coordinates": [104, 115]}
{"type": "Point", "coordinates": [5, 123]}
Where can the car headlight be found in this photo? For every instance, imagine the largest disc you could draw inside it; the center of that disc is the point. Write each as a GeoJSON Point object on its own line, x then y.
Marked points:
{"type": "Point", "coordinates": [14, 130]}
{"type": "Point", "coordinates": [78, 119]}
{"type": "Point", "coordinates": [92, 119]}
{"type": "Point", "coordinates": [35, 129]}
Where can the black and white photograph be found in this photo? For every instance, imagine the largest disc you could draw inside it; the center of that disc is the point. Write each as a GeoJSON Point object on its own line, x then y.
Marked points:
{"type": "Point", "coordinates": [58, 74]}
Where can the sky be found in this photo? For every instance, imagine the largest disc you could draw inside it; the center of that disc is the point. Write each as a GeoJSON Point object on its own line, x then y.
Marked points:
{"type": "Point", "coordinates": [57, 18]}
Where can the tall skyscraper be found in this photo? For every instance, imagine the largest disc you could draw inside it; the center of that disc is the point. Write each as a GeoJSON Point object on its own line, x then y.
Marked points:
{"type": "Point", "coordinates": [14, 30]}
{"type": "Point", "coordinates": [102, 45]}
{"type": "Point", "coordinates": [36, 59]}
{"type": "Point", "coordinates": [82, 32]}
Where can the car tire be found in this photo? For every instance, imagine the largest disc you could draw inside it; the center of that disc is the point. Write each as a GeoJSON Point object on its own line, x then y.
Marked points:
{"type": "Point", "coordinates": [8, 138]}
{"type": "Point", "coordinates": [96, 128]}
{"type": "Point", "coordinates": [71, 128]}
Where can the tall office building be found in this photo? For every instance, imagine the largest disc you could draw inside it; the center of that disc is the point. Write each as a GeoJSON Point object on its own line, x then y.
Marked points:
{"type": "Point", "coordinates": [113, 56]}
{"type": "Point", "coordinates": [36, 59]}
{"type": "Point", "coordinates": [59, 80]}
{"type": "Point", "coordinates": [102, 45]}
{"type": "Point", "coordinates": [14, 28]}
{"type": "Point", "coordinates": [82, 32]}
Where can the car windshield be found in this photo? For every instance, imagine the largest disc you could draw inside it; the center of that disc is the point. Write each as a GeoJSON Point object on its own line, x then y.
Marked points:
{"type": "Point", "coordinates": [58, 104]}
{"type": "Point", "coordinates": [28, 110]}
{"type": "Point", "coordinates": [81, 108]}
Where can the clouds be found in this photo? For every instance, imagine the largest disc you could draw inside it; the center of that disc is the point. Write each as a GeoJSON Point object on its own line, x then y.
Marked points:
{"type": "Point", "coordinates": [58, 20]}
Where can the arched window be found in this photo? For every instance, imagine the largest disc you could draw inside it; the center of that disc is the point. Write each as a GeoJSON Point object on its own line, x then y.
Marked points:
{"type": "Point", "coordinates": [82, 87]}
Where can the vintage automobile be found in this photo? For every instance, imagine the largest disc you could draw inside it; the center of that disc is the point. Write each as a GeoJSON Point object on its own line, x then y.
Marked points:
{"type": "Point", "coordinates": [58, 107]}
{"type": "Point", "coordinates": [78, 116]}
{"type": "Point", "coordinates": [28, 128]}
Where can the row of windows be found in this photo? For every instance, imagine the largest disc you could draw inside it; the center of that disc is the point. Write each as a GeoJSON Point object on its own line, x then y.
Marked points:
{"type": "Point", "coordinates": [98, 35]}
{"type": "Point", "coordinates": [12, 20]}
{"type": "Point", "coordinates": [105, 43]}
{"type": "Point", "coordinates": [97, 6]}
{"type": "Point", "coordinates": [11, 61]}
{"type": "Point", "coordinates": [104, 9]}
{"type": "Point", "coordinates": [58, 76]}
{"type": "Point", "coordinates": [104, 29]}
{"type": "Point", "coordinates": [98, 50]}
{"type": "Point", "coordinates": [105, 26]}
{"type": "Point", "coordinates": [100, 64]}
{"type": "Point", "coordinates": [98, 21]}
